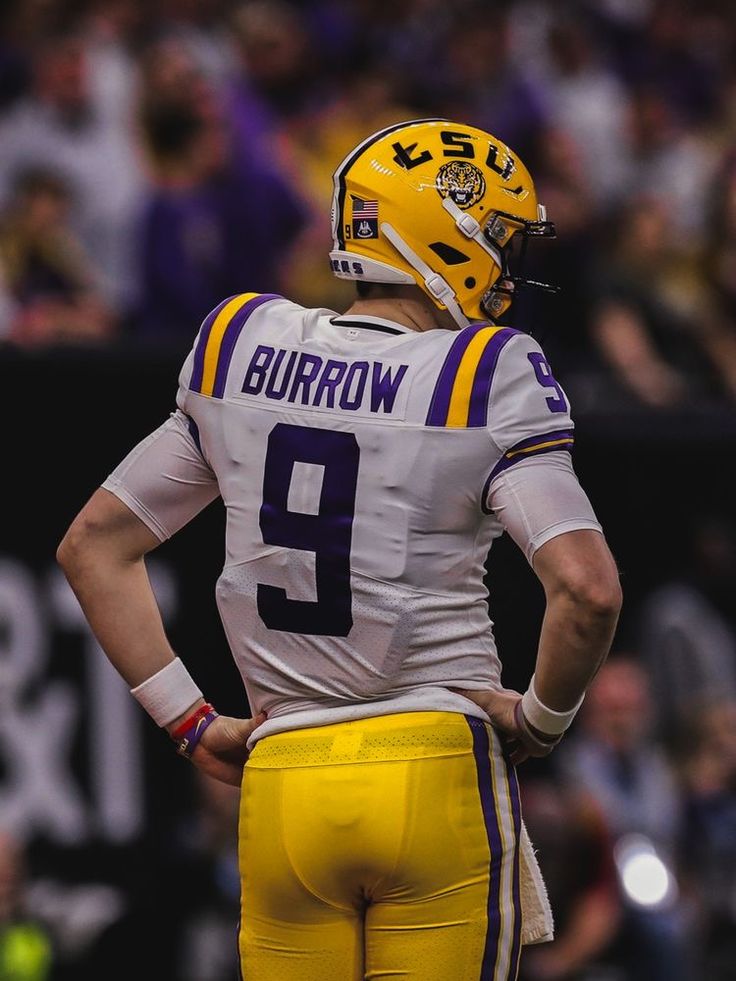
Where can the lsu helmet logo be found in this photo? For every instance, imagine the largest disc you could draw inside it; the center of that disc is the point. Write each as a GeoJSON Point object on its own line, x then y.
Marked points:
{"type": "Point", "coordinates": [462, 182]}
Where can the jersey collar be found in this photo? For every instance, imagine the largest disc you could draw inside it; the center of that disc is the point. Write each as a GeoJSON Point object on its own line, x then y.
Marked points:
{"type": "Point", "coordinates": [371, 323]}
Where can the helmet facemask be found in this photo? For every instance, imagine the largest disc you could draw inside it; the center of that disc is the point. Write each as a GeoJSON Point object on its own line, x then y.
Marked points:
{"type": "Point", "coordinates": [508, 235]}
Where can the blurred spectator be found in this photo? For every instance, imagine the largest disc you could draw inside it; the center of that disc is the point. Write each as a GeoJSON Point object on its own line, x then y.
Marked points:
{"type": "Point", "coordinates": [202, 28]}
{"type": "Point", "coordinates": [60, 122]}
{"type": "Point", "coordinates": [26, 948]}
{"type": "Point", "coordinates": [670, 162]}
{"type": "Point", "coordinates": [279, 75]}
{"type": "Point", "coordinates": [204, 850]}
{"type": "Point", "coordinates": [169, 72]}
{"type": "Point", "coordinates": [589, 104]}
{"type": "Point", "coordinates": [612, 754]}
{"type": "Point", "coordinates": [478, 81]}
{"type": "Point", "coordinates": [719, 269]}
{"type": "Point", "coordinates": [574, 849]}
{"type": "Point", "coordinates": [212, 226]}
{"type": "Point", "coordinates": [48, 282]}
{"type": "Point", "coordinates": [647, 293]}
{"type": "Point", "coordinates": [687, 625]}
{"type": "Point", "coordinates": [709, 777]}
{"type": "Point", "coordinates": [313, 148]}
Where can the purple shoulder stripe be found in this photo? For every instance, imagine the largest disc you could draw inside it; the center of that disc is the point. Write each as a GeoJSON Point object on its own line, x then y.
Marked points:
{"type": "Point", "coordinates": [230, 337]}
{"type": "Point", "coordinates": [440, 404]}
{"type": "Point", "coordinates": [481, 392]}
{"type": "Point", "coordinates": [204, 335]}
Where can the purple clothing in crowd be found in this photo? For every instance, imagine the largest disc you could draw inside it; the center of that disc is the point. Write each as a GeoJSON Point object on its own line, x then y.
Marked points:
{"type": "Point", "coordinates": [201, 244]}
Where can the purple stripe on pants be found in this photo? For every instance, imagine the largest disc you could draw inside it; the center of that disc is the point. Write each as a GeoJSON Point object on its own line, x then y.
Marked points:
{"type": "Point", "coordinates": [516, 812]}
{"type": "Point", "coordinates": [481, 751]}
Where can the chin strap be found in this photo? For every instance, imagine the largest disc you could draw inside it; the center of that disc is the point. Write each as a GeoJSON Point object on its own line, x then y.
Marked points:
{"type": "Point", "coordinates": [436, 286]}
{"type": "Point", "coordinates": [470, 228]}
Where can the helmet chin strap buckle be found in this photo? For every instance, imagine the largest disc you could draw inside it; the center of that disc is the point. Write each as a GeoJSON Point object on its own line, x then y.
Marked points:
{"type": "Point", "coordinates": [468, 225]}
{"type": "Point", "coordinates": [465, 222]}
{"type": "Point", "coordinates": [470, 228]}
{"type": "Point", "coordinates": [438, 287]}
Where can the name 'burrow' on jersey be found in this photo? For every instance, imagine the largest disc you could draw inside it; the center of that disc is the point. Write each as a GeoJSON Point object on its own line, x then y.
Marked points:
{"type": "Point", "coordinates": [359, 386]}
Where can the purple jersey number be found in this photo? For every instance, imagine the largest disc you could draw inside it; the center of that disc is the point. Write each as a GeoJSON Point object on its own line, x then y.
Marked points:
{"type": "Point", "coordinates": [557, 402]}
{"type": "Point", "coordinates": [328, 534]}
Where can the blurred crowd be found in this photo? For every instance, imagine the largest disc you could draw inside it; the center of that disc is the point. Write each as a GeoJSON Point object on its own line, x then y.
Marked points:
{"type": "Point", "coordinates": [156, 157]}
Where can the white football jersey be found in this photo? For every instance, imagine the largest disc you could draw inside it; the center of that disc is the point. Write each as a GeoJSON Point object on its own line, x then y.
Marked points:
{"type": "Point", "coordinates": [354, 457]}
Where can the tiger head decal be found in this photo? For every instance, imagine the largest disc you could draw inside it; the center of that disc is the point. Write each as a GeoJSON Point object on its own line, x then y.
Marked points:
{"type": "Point", "coordinates": [462, 182]}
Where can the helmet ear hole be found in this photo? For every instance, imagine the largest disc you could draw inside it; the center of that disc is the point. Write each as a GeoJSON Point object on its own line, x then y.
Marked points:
{"type": "Point", "coordinates": [449, 255]}
{"type": "Point", "coordinates": [470, 283]}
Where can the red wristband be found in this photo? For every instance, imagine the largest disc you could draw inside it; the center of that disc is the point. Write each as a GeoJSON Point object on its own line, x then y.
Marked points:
{"type": "Point", "coordinates": [190, 731]}
{"type": "Point", "coordinates": [191, 740]}
{"type": "Point", "coordinates": [191, 720]}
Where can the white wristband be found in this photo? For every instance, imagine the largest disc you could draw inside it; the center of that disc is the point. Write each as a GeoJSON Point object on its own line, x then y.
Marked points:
{"type": "Point", "coordinates": [545, 719]}
{"type": "Point", "coordinates": [167, 694]}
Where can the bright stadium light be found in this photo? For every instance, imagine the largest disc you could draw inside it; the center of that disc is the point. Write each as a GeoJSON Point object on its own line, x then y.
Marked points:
{"type": "Point", "coordinates": [646, 880]}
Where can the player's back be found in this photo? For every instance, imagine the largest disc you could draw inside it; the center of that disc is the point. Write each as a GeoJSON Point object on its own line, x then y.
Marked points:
{"type": "Point", "coordinates": [352, 456]}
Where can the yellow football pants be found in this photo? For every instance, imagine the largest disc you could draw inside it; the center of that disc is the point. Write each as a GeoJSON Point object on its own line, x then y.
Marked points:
{"type": "Point", "coordinates": [380, 848]}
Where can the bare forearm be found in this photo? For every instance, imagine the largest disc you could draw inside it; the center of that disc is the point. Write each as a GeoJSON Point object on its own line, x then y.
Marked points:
{"type": "Point", "coordinates": [574, 641]}
{"type": "Point", "coordinates": [119, 604]}
{"type": "Point", "coordinates": [583, 593]}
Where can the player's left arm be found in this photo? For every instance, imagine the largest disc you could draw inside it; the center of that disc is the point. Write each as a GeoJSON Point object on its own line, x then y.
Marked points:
{"type": "Point", "coordinates": [534, 492]}
{"type": "Point", "coordinates": [161, 485]}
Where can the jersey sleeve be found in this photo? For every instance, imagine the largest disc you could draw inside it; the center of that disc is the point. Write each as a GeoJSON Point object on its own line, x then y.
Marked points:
{"type": "Point", "coordinates": [528, 411]}
{"type": "Point", "coordinates": [532, 489]}
{"type": "Point", "coordinates": [165, 480]}
{"type": "Point", "coordinates": [540, 499]}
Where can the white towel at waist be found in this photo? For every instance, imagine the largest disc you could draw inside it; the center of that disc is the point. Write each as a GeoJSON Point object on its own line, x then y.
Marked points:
{"type": "Point", "coordinates": [537, 922]}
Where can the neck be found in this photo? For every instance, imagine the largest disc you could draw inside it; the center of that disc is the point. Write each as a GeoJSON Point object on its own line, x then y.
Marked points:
{"type": "Point", "coordinates": [415, 312]}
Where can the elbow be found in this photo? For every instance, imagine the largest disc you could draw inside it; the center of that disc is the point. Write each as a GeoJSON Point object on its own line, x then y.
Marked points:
{"type": "Point", "coordinates": [596, 593]}
{"type": "Point", "coordinates": [604, 601]}
{"type": "Point", "coordinates": [68, 552]}
{"type": "Point", "coordinates": [581, 578]}
{"type": "Point", "coordinates": [73, 551]}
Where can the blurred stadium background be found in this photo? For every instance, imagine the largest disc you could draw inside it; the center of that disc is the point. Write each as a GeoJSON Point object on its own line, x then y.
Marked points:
{"type": "Point", "coordinates": [157, 156]}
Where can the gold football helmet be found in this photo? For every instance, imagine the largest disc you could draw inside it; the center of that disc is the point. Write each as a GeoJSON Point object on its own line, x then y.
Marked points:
{"type": "Point", "coordinates": [437, 204]}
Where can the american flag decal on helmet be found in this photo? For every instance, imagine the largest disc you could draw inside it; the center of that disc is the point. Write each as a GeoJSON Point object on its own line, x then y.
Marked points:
{"type": "Point", "coordinates": [365, 218]}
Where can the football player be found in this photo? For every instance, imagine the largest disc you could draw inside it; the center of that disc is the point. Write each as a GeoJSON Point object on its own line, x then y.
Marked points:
{"type": "Point", "coordinates": [367, 460]}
